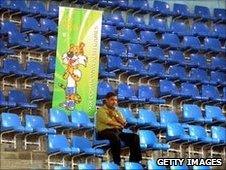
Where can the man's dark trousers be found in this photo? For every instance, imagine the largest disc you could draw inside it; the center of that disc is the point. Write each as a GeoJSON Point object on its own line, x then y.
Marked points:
{"type": "Point", "coordinates": [115, 136]}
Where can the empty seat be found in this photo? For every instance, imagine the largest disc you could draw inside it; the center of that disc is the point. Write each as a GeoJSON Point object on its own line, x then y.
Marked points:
{"type": "Point", "coordinates": [134, 50]}
{"type": "Point", "coordinates": [170, 41]}
{"type": "Point", "coordinates": [176, 57]}
{"type": "Point", "coordinates": [16, 5]}
{"type": "Point", "coordinates": [128, 35]}
{"type": "Point", "coordinates": [148, 37]}
{"type": "Point", "coordinates": [81, 119]}
{"type": "Point", "coordinates": [153, 165]}
{"type": "Point", "coordinates": [7, 27]}
{"type": "Point", "coordinates": [182, 11]}
{"type": "Point", "coordinates": [177, 72]}
{"type": "Point", "coordinates": [220, 14]}
{"type": "Point", "coordinates": [168, 88]}
{"type": "Point", "coordinates": [218, 63]}
{"type": "Point", "coordinates": [48, 25]}
{"type": "Point", "coordinates": [38, 8]}
{"type": "Point", "coordinates": [86, 166]}
{"type": "Point", "coordinates": [199, 75]}
{"type": "Point", "coordinates": [4, 103]}
{"type": "Point", "coordinates": [157, 24]}
{"type": "Point", "coordinates": [162, 8]}
{"type": "Point", "coordinates": [141, 6]}
{"type": "Point", "coordinates": [156, 70]}
{"type": "Point", "coordinates": [218, 77]}
{"type": "Point", "coordinates": [103, 73]}
{"type": "Point", "coordinates": [189, 90]}
{"type": "Point", "coordinates": [212, 93]}
{"type": "Point", "coordinates": [20, 99]}
{"type": "Point", "coordinates": [216, 133]}
{"type": "Point", "coordinates": [39, 41]}
{"type": "Point", "coordinates": [123, 4]}
{"type": "Point", "coordinates": [197, 60]}
{"type": "Point", "coordinates": [53, 10]}
{"type": "Point", "coordinates": [113, 19]}
{"type": "Point", "coordinates": [191, 43]}
{"type": "Point", "coordinates": [51, 64]}
{"type": "Point", "coordinates": [155, 53]}
{"type": "Point", "coordinates": [202, 12]}
{"type": "Point", "coordinates": [108, 3]}
{"type": "Point", "coordinates": [136, 22]}
{"type": "Point", "coordinates": [135, 66]}
{"type": "Point", "coordinates": [59, 119]}
{"type": "Point", "coordinates": [219, 30]}
{"type": "Point", "coordinates": [133, 165]}
{"type": "Point", "coordinates": [146, 93]}
{"type": "Point", "coordinates": [117, 48]}
{"type": "Point", "coordinates": [180, 28]}
{"type": "Point", "coordinates": [109, 31]}
{"type": "Point", "coordinates": [109, 165]}
{"type": "Point", "coordinates": [215, 113]}
{"type": "Point", "coordinates": [213, 44]}
{"type": "Point", "coordinates": [168, 116]}
{"type": "Point", "coordinates": [40, 92]}
{"type": "Point", "coordinates": [4, 49]}
{"type": "Point", "coordinates": [201, 29]}
{"type": "Point", "coordinates": [103, 88]}
{"type": "Point", "coordinates": [149, 141]}
{"type": "Point", "coordinates": [193, 114]}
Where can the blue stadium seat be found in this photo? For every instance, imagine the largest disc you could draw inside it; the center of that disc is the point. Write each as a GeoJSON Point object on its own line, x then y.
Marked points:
{"type": "Point", "coordinates": [51, 65]}
{"type": "Point", "coordinates": [40, 92]}
{"type": "Point", "coordinates": [16, 5]}
{"type": "Point", "coordinates": [58, 144]}
{"type": "Point", "coordinates": [203, 13]}
{"type": "Point", "coordinates": [215, 113]}
{"type": "Point", "coordinates": [133, 165]}
{"type": "Point", "coordinates": [86, 166]}
{"type": "Point", "coordinates": [4, 49]}
{"type": "Point", "coordinates": [218, 63]}
{"type": "Point", "coordinates": [203, 167]}
{"type": "Point", "coordinates": [170, 41]}
{"type": "Point", "coordinates": [135, 66]}
{"type": "Point", "coordinates": [30, 24]}
{"type": "Point", "coordinates": [192, 44]}
{"type": "Point", "coordinates": [168, 88]}
{"type": "Point", "coordinates": [136, 22]}
{"type": "Point", "coordinates": [167, 117]}
{"type": "Point", "coordinates": [135, 50]}
{"type": "Point", "coordinates": [53, 9]}
{"type": "Point", "coordinates": [213, 44]}
{"type": "Point", "coordinates": [179, 167]}
{"type": "Point", "coordinates": [224, 93]}
{"type": "Point", "coordinates": [127, 94]}
{"type": "Point", "coordinates": [177, 72]}
{"type": "Point", "coordinates": [149, 118]}
{"type": "Point", "coordinates": [109, 31]}
{"type": "Point", "coordinates": [201, 29]}
{"type": "Point", "coordinates": [156, 70]}
{"type": "Point", "coordinates": [189, 90]}
{"type": "Point", "coordinates": [38, 125]}
{"type": "Point", "coordinates": [108, 3]}
{"type": "Point", "coordinates": [180, 28]}
{"type": "Point", "coordinates": [113, 19]}
{"type": "Point", "coordinates": [61, 168]}
{"type": "Point", "coordinates": [8, 26]}
{"type": "Point", "coordinates": [114, 63]}
{"type": "Point", "coordinates": [218, 78]}
{"type": "Point", "coordinates": [142, 6]}
{"type": "Point", "coordinates": [200, 133]}
{"type": "Point", "coordinates": [39, 41]}
{"type": "Point", "coordinates": [176, 132]}
{"type": "Point", "coordinates": [216, 133]}
{"type": "Point", "coordinates": [123, 4]}
{"type": "Point", "coordinates": [81, 119]}
{"type": "Point", "coordinates": [146, 93]}
{"type": "Point", "coordinates": [212, 93]}
{"type": "Point", "coordinates": [155, 53]}
{"type": "Point", "coordinates": [48, 25]}
{"type": "Point", "coordinates": [52, 42]}
{"type": "Point", "coordinates": [148, 37]}
{"type": "Point", "coordinates": [103, 88]}
{"type": "Point", "coordinates": [38, 8]}
{"type": "Point", "coordinates": [117, 48]}
{"type": "Point", "coordinates": [199, 75]}
{"type": "Point", "coordinates": [4, 103]}
{"type": "Point", "coordinates": [193, 114]}
{"type": "Point", "coordinates": [11, 123]}
{"type": "Point", "coordinates": [37, 69]}
{"type": "Point", "coordinates": [149, 141]}
{"type": "Point", "coordinates": [161, 8]}
{"type": "Point", "coordinates": [20, 99]}
{"type": "Point", "coordinates": [220, 14]}
{"type": "Point", "coordinates": [182, 11]}
{"type": "Point", "coordinates": [109, 165]}
{"type": "Point", "coordinates": [129, 117]}
{"type": "Point", "coordinates": [128, 35]}
{"type": "Point", "coordinates": [197, 60]}
{"type": "Point", "coordinates": [176, 57]}
{"type": "Point", "coordinates": [157, 25]}
{"type": "Point", "coordinates": [219, 31]}
{"type": "Point", "coordinates": [12, 66]}
{"type": "Point", "coordinates": [59, 119]}
{"type": "Point", "coordinates": [103, 73]}
{"type": "Point", "coordinates": [153, 165]}
{"type": "Point", "coordinates": [85, 146]}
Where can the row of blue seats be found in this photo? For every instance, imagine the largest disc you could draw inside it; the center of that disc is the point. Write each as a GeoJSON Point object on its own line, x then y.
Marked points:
{"type": "Point", "coordinates": [168, 42]}
{"type": "Point", "coordinates": [158, 70]}
{"type": "Point", "coordinates": [151, 164]}
{"type": "Point", "coordinates": [31, 8]}
{"type": "Point", "coordinates": [161, 8]}
{"type": "Point", "coordinates": [32, 69]}
{"type": "Point", "coordinates": [191, 114]}
{"type": "Point", "coordinates": [144, 94]}
{"type": "Point", "coordinates": [160, 26]}
{"type": "Point", "coordinates": [17, 98]}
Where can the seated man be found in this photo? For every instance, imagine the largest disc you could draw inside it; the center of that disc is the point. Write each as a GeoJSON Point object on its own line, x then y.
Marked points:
{"type": "Point", "coordinates": [109, 125]}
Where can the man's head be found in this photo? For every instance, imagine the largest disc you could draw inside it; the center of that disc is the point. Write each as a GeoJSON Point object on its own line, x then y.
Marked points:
{"type": "Point", "coordinates": [111, 100]}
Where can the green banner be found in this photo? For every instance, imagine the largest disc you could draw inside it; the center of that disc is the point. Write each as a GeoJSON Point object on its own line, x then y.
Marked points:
{"type": "Point", "coordinates": [77, 60]}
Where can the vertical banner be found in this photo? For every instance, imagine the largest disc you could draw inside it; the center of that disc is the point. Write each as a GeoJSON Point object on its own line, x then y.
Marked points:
{"type": "Point", "coordinates": [77, 60]}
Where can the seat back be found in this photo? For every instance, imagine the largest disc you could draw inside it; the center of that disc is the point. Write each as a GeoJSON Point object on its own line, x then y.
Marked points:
{"type": "Point", "coordinates": [148, 36]}
{"type": "Point", "coordinates": [189, 89]}
{"type": "Point", "coordinates": [202, 11]}
{"type": "Point", "coordinates": [168, 116]}
{"type": "Point", "coordinates": [35, 67]}
{"type": "Point", "coordinates": [169, 38]}
{"type": "Point", "coordinates": [125, 90]}
{"type": "Point", "coordinates": [177, 56]}
{"type": "Point", "coordinates": [10, 120]}
{"type": "Point", "coordinates": [81, 142]}
{"type": "Point", "coordinates": [56, 142]}
{"type": "Point", "coordinates": [167, 86]}
{"type": "Point", "coordinates": [210, 92]}
{"type": "Point", "coordinates": [174, 130]}
{"type": "Point", "coordinates": [17, 96]}
{"type": "Point", "coordinates": [147, 116]}
{"type": "Point", "coordinates": [147, 137]}
{"type": "Point", "coordinates": [219, 13]}
{"type": "Point", "coordinates": [191, 112]}
{"type": "Point", "coordinates": [156, 68]}
{"type": "Point", "coordinates": [214, 112]}
{"type": "Point", "coordinates": [181, 9]}
{"type": "Point", "coordinates": [103, 88]}
{"type": "Point", "coordinates": [197, 131]}
{"type": "Point", "coordinates": [80, 117]}
{"type": "Point", "coordinates": [34, 121]}
{"type": "Point", "coordinates": [86, 166]}
{"type": "Point", "coordinates": [217, 133]}
{"type": "Point", "coordinates": [40, 91]}
{"type": "Point", "coordinates": [145, 92]}
{"type": "Point", "coordinates": [153, 165]}
{"type": "Point", "coordinates": [109, 165]}
{"type": "Point", "coordinates": [161, 6]}
{"type": "Point", "coordinates": [57, 116]}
